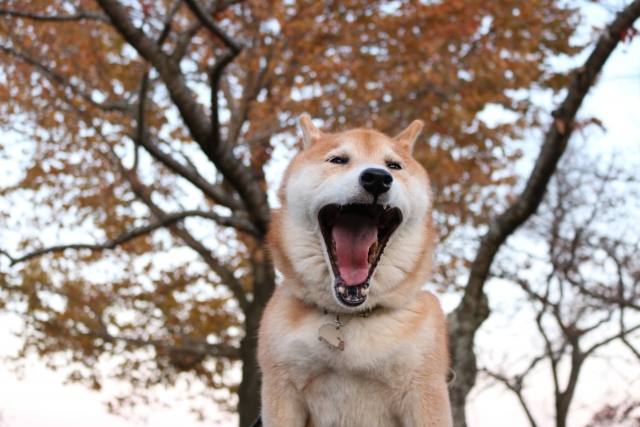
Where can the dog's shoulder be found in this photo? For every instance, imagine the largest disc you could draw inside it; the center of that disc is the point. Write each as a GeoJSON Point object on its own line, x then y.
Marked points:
{"type": "Point", "coordinates": [429, 304]}
{"type": "Point", "coordinates": [285, 307]}
{"type": "Point", "coordinates": [436, 323]}
{"type": "Point", "coordinates": [283, 315]}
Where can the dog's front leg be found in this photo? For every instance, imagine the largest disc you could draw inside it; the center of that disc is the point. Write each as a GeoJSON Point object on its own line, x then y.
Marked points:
{"type": "Point", "coordinates": [282, 404]}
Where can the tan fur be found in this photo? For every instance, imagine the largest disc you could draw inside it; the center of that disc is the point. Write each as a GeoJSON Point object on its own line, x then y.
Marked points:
{"type": "Point", "coordinates": [393, 369]}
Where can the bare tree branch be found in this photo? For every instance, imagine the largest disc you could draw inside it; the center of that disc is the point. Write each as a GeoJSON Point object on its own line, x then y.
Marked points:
{"type": "Point", "coordinates": [167, 22]}
{"type": "Point", "coordinates": [254, 83]}
{"type": "Point", "coordinates": [631, 347]}
{"type": "Point", "coordinates": [621, 302]}
{"type": "Point", "coordinates": [142, 132]}
{"type": "Point", "coordinates": [208, 21]}
{"type": "Point", "coordinates": [167, 220]}
{"type": "Point", "coordinates": [607, 319]}
{"type": "Point", "coordinates": [550, 352]}
{"type": "Point", "coordinates": [225, 273]}
{"type": "Point", "coordinates": [190, 345]}
{"type": "Point", "coordinates": [234, 49]}
{"type": "Point", "coordinates": [184, 39]}
{"type": "Point", "coordinates": [187, 35]}
{"type": "Point", "coordinates": [566, 255]}
{"type": "Point", "coordinates": [119, 105]}
{"type": "Point", "coordinates": [56, 18]}
{"type": "Point", "coordinates": [619, 335]}
{"type": "Point", "coordinates": [215, 75]}
{"type": "Point", "coordinates": [516, 387]}
{"type": "Point", "coordinates": [216, 193]}
{"type": "Point", "coordinates": [201, 348]}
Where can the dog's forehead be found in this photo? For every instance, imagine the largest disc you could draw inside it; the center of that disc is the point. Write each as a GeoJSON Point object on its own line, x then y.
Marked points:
{"type": "Point", "coordinates": [360, 143]}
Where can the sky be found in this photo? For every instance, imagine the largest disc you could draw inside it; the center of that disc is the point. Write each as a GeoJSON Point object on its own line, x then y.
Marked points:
{"type": "Point", "coordinates": [39, 398]}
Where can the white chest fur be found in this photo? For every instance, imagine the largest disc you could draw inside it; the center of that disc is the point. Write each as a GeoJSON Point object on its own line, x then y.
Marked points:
{"type": "Point", "coordinates": [365, 383]}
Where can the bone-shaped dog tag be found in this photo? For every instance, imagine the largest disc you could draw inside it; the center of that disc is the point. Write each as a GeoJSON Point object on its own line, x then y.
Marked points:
{"type": "Point", "coordinates": [331, 335]}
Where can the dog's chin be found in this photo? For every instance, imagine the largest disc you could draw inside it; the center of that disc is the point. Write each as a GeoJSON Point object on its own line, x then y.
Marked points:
{"type": "Point", "coordinates": [370, 226]}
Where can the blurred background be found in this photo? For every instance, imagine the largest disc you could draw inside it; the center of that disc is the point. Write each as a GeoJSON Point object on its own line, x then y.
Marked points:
{"type": "Point", "coordinates": [142, 144]}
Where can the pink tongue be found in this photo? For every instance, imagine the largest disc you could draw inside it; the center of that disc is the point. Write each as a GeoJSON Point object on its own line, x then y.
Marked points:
{"type": "Point", "coordinates": [354, 235]}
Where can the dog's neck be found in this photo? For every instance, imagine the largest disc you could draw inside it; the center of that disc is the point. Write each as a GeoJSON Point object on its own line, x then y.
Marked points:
{"type": "Point", "coordinates": [364, 313]}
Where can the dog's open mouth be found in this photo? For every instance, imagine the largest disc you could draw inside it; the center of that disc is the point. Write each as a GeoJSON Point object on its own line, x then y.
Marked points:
{"type": "Point", "coordinates": [355, 236]}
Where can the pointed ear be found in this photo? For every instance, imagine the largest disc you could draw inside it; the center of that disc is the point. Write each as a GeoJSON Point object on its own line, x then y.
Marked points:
{"type": "Point", "coordinates": [408, 136]}
{"type": "Point", "coordinates": [310, 133]}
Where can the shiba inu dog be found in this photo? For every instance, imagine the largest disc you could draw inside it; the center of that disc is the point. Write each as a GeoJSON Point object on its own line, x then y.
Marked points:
{"type": "Point", "coordinates": [349, 339]}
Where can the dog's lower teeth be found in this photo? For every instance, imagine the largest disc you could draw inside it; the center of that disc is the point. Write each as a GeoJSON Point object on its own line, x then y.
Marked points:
{"type": "Point", "coordinates": [364, 292]}
{"type": "Point", "coordinates": [341, 290]}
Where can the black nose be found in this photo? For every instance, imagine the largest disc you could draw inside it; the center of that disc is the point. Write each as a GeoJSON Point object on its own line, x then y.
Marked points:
{"type": "Point", "coordinates": [376, 181]}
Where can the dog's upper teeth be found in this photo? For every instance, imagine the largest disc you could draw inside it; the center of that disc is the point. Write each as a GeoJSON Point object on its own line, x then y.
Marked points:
{"type": "Point", "coordinates": [372, 252]}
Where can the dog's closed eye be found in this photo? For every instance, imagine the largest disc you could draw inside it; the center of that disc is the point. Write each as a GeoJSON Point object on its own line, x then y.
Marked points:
{"type": "Point", "coordinates": [394, 165]}
{"type": "Point", "coordinates": [339, 160]}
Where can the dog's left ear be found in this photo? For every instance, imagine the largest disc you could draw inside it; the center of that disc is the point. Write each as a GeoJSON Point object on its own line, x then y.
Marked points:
{"type": "Point", "coordinates": [310, 133]}
{"type": "Point", "coordinates": [408, 136]}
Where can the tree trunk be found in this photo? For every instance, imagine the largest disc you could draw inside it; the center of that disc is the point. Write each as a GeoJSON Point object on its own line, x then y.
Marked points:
{"type": "Point", "coordinates": [249, 392]}
{"type": "Point", "coordinates": [463, 323]}
{"type": "Point", "coordinates": [563, 400]}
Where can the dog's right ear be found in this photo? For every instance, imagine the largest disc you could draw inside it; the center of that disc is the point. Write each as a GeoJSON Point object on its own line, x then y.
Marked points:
{"type": "Point", "coordinates": [408, 136]}
{"type": "Point", "coordinates": [310, 133]}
